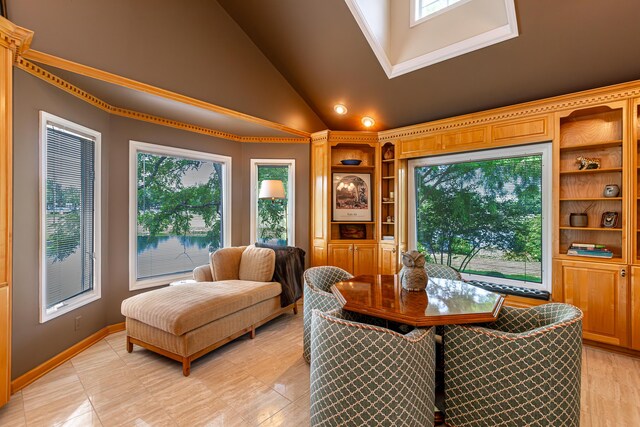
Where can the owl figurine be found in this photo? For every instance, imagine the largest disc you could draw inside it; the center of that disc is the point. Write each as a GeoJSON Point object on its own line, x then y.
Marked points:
{"type": "Point", "coordinates": [413, 275]}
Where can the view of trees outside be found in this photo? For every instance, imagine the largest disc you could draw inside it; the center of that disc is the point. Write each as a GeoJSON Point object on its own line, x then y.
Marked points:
{"type": "Point", "coordinates": [272, 214]}
{"type": "Point", "coordinates": [482, 217]}
{"type": "Point", "coordinates": [179, 213]}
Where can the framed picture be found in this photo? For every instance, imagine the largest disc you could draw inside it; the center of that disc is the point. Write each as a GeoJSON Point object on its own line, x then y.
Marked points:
{"type": "Point", "coordinates": [609, 220]}
{"type": "Point", "coordinates": [351, 196]}
{"type": "Point", "coordinates": [353, 231]}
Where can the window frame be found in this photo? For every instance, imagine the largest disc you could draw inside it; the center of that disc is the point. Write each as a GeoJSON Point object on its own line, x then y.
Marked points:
{"type": "Point", "coordinates": [544, 149]}
{"type": "Point", "coordinates": [416, 6]}
{"type": "Point", "coordinates": [96, 293]}
{"type": "Point", "coordinates": [291, 205]}
{"type": "Point", "coordinates": [134, 148]}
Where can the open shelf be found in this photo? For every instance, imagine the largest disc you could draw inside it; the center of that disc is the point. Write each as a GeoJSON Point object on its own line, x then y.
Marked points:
{"type": "Point", "coordinates": [591, 171]}
{"type": "Point", "coordinates": [590, 228]}
{"type": "Point", "coordinates": [592, 145]}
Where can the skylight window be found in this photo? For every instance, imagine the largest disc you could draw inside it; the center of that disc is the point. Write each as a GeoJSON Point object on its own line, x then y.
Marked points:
{"type": "Point", "coordinates": [425, 9]}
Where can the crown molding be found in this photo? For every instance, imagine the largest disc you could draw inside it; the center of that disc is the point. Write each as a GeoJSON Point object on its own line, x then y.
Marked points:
{"type": "Point", "coordinates": [51, 78]}
{"type": "Point", "coordinates": [585, 98]}
{"type": "Point", "coordinates": [14, 37]}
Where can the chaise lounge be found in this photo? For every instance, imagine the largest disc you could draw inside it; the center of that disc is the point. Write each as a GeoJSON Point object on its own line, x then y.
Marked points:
{"type": "Point", "coordinates": [231, 297]}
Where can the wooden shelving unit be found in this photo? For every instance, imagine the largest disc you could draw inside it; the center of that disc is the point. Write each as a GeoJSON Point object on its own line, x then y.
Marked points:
{"type": "Point", "coordinates": [599, 286]}
{"type": "Point", "coordinates": [593, 133]}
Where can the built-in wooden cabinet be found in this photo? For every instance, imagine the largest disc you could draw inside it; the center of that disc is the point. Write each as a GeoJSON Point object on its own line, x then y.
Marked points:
{"type": "Point", "coordinates": [600, 286]}
{"type": "Point", "coordinates": [600, 291]}
{"type": "Point", "coordinates": [348, 238]}
{"type": "Point", "coordinates": [634, 308]}
{"type": "Point", "coordinates": [356, 258]}
{"type": "Point", "coordinates": [387, 259]}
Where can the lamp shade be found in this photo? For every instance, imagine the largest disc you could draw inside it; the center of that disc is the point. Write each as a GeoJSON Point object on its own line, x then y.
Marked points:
{"type": "Point", "coordinates": [271, 189]}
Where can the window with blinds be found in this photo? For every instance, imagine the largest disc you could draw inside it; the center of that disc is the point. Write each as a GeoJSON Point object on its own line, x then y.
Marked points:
{"type": "Point", "coordinates": [485, 214]}
{"type": "Point", "coordinates": [69, 226]}
{"type": "Point", "coordinates": [179, 211]}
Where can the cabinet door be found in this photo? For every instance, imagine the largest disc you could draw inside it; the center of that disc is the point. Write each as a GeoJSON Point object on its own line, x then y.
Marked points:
{"type": "Point", "coordinates": [600, 291]}
{"type": "Point", "coordinates": [365, 259]}
{"type": "Point", "coordinates": [635, 308]}
{"type": "Point", "coordinates": [388, 259]}
{"type": "Point", "coordinates": [341, 255]}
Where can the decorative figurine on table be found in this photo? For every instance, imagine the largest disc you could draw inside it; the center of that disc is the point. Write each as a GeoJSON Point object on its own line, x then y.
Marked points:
{"type": "Point", "coordinates": [587, 163]}
{"type": "Point", "coordinates": [413, 276]}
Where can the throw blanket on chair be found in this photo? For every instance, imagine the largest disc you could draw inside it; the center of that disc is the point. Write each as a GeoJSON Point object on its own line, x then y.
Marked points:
{"type": "Point", "coordinates": [288, 272]}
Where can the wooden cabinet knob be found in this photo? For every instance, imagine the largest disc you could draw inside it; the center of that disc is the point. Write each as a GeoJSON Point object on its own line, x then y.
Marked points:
{"type": "Point", "coordinates": [623, 272]}
{"type": "Point", "coordinates": [393, 251]}
{"type": "Point", "coordinates": [356, 248]}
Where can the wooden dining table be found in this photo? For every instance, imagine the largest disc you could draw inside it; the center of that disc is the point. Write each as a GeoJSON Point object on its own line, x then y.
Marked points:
{"type": "Point", "coordinates": [445, 301]}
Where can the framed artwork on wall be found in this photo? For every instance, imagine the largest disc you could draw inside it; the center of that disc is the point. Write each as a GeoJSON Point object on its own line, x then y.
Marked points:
{"type": "Point", "coordinates": [352, 196]}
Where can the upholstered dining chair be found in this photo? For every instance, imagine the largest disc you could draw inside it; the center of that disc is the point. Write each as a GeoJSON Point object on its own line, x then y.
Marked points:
{"type": "Point", "coordinates": [523, 369]}
{"type": "Point", "coordinates": [442, 271]}
{"type": "Point", "coordinates": [317, 294]}
{"type": "Point", "coordinates": [365, 375]}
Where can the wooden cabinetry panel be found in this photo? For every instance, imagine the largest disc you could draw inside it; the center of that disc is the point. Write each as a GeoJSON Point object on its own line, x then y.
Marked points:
{"type": "Point", "coordinates": [387, 255]}
{"type": "Point", "coordinates": [634, 320]}
{"type": "Point", "coordinates": [6, 202]}
{"type": "Point", "coordinates": [417, 147]}
{"type": "Point", "coordinates": [365, 259]}
{"type": "Point", "coordinates": [600, 291]}
{"type": "Point", "coordinates": [356, 258]}
{"type": "Point", "coordinates": [341, 255]}
{"type": "Point", "coordinates": [531, 129]}
{"type": "Point", "coordinates": [465, 137]}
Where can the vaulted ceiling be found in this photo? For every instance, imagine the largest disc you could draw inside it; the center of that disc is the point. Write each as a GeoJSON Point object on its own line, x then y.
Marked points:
{"type": "Point", "coordinates": [290, 61]}
{"type": "Point", "coordinates": [563, 46]}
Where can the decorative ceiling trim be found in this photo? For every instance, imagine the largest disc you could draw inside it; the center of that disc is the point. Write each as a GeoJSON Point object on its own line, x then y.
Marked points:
{"type": "Point", "coordinates": [550, 105]}
{"type": "Point", "coordinates": [84, 70]}
{"type": "Point", "coordinates": [14, 37]}
{"type": "Point", "coordinates": [51, 78]}
{"type": "Point", "coordinates": [341, 137]}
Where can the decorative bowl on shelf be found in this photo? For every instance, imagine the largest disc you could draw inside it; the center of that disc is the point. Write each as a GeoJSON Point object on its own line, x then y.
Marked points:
{"type": "Point", "coordinates": [351, 162]}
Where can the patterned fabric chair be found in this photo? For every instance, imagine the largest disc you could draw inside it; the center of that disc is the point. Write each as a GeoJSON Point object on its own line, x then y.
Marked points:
{"type": "Point", "coordinates": [523, 369]}
{"type": "Point", "coordinates": [317, 294]}
{"type": "Point", "coordinates": [442, 271]}
{"type": "Point", "coordinates": [365, 375]}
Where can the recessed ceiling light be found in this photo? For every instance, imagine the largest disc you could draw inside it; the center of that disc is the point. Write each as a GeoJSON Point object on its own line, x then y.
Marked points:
{"type": "Point", "coordinates": [340, 109]}
{"type": "Point", "coordinates": [368, 121]}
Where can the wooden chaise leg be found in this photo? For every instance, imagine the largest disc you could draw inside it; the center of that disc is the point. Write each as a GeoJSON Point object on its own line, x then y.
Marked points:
{"type": "Point", "coordinates": [129, 345]}
{"type": "Point", "coordinates": [186, 366]}
{"type": "Point", "coordinates": [252, 333]}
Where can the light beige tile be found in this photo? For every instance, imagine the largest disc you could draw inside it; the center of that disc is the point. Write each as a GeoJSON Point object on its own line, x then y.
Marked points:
{"type": "Point", "coordinates": [252, 399]}
{"type": "Point", "coordinates": [12, 414]}
{"type": "Point", "coordinates": [90, 419]}
{"type": "Point", "coordinates": [95, 357]}
{"type": "Point", "coordinates": [291, 415]}
{"type": "Point", "coordinates": [55, 410]}
{"type": "Point", "coordinates": [41, 393]}
{"type": "Point", "coordinates": [132, 409]}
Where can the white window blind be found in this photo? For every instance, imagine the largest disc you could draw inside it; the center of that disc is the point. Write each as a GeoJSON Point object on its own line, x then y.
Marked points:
{"type": "Point", "coordinates": [70, 216]}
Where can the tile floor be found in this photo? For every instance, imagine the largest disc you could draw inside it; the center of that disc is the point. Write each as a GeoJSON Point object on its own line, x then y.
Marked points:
{"type": "Point", "coordinates": [263, 382]}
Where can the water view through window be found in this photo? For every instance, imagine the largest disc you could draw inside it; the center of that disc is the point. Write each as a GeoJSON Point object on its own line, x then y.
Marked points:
{"type": "Point", "coordinates": [179, 213]}
{"type": "Point", "coordinates": [482, 217]}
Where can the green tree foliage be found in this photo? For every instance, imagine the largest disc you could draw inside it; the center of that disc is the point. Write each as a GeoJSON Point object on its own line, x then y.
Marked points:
{"type": "Point", "coordinates": [272, 213]}
{"type": "Point", "coordinates": [63, 221]}
{"type": "Point", "coordinates": [467, 207]}
{"type": "Point", "coordinates": [167, 204]}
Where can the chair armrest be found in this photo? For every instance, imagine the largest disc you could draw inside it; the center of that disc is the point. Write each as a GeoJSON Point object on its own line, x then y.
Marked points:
{"type": "Point", "coordinates": [202, 274]}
